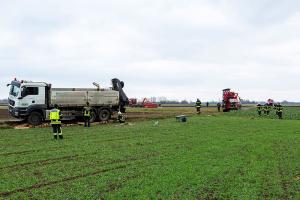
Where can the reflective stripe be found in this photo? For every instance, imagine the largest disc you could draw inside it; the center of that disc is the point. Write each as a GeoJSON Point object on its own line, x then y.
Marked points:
{"type": "Point", "coordinates": [55, 122]}
{"type": "Point", "coordinates": [87, 113]}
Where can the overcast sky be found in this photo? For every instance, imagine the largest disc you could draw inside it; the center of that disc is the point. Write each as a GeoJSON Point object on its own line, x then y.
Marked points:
{"type": "Point", "coordinates": [173, 48]}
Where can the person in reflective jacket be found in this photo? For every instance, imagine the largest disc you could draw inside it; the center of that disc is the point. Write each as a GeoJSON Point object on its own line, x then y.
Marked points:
{"type": "Point", "coordinates": [55, 117]}
{"type": "Point", "coordinates": [259, 109]}
{"type": "Point", "coordinates": [121, 118]}
{"type": "Point", "coordinates": [87, 115]}
{"type": "Point", "coordinates": [279, 111]}
{"type": "Point", "coordinates": [198, 106]}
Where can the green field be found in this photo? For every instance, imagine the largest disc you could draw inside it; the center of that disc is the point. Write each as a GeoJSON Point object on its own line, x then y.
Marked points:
{"type": "Point", "coordinates": [289, 113]}
{"type": "Point", "coordinates": [209, 157]}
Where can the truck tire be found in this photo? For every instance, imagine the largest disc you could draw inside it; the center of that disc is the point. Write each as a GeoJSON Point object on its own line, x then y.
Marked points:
{"type": "Point", "coordinates": [93, 116]}
{"type": "Point", "coordinates": [35, 118]}
{"type": "Point", "coordinates": [104, 114]}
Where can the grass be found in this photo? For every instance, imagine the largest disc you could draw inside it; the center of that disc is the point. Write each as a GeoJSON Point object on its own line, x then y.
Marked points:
{"type": "Point", "coordinates": [174, 110]}
{"type": "Point", "coordinates": [289, 113]}
{"type": "Point", "coordinates": [209, 157]}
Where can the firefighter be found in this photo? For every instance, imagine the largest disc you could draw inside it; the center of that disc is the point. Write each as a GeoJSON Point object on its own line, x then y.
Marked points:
{"type": "Point", "coordinates": [219, 107]}
{"type": "Point", "coordinates": [276, 108]}
{"type": "Point", "coordinates": [259, 109]}
{"type": "Point", "coordinates": [55, 117]}
{"type": "Point", "coordinates": [198, 106]}
{"type": "Point", "coordinates": [87, 115]}
{"type": "Point", "coordinates": [121, 118]}
{"type": "Point", "coordinates": [207, 104]}
{"type": "Point", "coordinates": [269, 109]}
{"type": "Point", "coordinates": [279, 110]}
{"type": "Point", "coordinates": [266, 109]}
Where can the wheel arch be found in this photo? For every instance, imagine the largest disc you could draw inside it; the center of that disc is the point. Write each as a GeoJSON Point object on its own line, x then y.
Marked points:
{"type": "Point", "coordinates": [37, 108]}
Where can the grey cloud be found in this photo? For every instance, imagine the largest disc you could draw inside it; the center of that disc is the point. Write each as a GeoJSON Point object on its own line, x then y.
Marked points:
{"type": "Point", "coordinates": [179, 49]}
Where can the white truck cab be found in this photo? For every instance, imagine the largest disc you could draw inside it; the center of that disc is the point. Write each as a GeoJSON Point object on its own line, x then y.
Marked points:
{"type": "Point", "coordinates": [26, 97]}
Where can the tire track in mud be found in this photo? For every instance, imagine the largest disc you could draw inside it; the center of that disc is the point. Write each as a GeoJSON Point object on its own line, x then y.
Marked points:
{"type": "Point", "coordinates": [16, 153]}
{"type": "Point", "coordinates": [45, 184]}
{"type": "Point", "coordinates": [70, 157]}
{"type": "Point", "coordinates": [40, 162]}
{"type": "Point", "coordinates": [104, 162]}
{"type": "Point", "coordinates": [96, 172]}
{"type": "Point", "coordinates": [57, 159]}
{"type": "Point", "coordinates": [116, 185]}
{"type": "Point", "coordinates": [27, 151]}
{"type": "Point", "coordinates": [37, 150]}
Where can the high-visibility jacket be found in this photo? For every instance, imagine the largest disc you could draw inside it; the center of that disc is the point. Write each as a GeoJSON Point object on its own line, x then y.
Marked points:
{"type": "Point", "coordinates": [279, 109]}
{"type": "Point", "coordinates": [55, 116]}
{"type": "Point", "coordinates": [267, 108]}
{"type": "Point", "coordinates": [259, 108]}
{"type": "Point", "coordinates": [198, 104]}
{"type": "Point", "coordinates": [87, 111]}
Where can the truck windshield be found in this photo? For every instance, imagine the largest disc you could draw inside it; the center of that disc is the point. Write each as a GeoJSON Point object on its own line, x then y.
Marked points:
{"type": "Point", "coordinates": [14, 90]}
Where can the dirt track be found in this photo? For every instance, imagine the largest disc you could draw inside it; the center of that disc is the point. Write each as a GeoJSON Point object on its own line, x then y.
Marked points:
{"type": "Point", "coordinates": [133, 114]}
{"type": "Point", "coordinates": [4, 114]}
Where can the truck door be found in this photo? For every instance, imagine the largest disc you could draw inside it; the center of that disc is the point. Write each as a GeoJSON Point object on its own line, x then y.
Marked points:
{"type": "Point", "coordinates": [33, 95]}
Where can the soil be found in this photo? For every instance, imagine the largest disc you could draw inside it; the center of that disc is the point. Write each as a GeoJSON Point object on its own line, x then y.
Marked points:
{"type": "Point", "coordinates": [6, 119]}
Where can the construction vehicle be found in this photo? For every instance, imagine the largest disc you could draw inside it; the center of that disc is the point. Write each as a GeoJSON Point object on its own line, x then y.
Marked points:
{"type": "Point", "coordinates": [133, 102]}
{"type": "Point", "coordinates": [148, 104]}
{"type": "Point", "coordinates": [145, 103]}
{"type": "Point", "coordinates": [231, 100]}
{"type": "Point", "coordinates": [32, 101]}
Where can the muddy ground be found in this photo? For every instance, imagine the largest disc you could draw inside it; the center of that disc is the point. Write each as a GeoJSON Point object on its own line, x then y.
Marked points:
{"type": "Point", "coordinates": [4, 115]}
{"type": "Point", "coordinates": [132, 114]}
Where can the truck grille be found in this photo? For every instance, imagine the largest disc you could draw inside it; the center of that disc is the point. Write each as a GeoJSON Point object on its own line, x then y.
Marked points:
{"type": "Point", "coordinates": [11, 102]}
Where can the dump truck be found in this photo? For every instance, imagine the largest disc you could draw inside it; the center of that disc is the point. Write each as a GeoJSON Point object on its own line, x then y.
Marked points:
{"type": "Point", "coordinates": [32, 101]}
{"type": "Point", "coordinates": [231, 100]}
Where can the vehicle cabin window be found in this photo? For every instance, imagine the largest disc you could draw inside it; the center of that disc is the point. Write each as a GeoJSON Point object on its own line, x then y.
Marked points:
{"type": "Point", "coordinates": [32, 91]}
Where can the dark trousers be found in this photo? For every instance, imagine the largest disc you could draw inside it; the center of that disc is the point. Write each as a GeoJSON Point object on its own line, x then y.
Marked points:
{"type": "Point", "coordinates": [87, 121]}
{"type": "Point", "coordinates": [57, 131]}
{"type": "Point", "coordinates": [259, 112]}
{"type": "Point", "coordinates": [198, 109]}
{"type": "Point", "coordinates": [219, 109]}
{"type": "Point", "coordinates": [280, 115]}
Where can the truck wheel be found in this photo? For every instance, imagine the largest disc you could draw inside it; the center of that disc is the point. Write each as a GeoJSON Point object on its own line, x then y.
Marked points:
{"type": "Point", "coordinates": [104, 115]}
{"type": "Point", "coordinates": [35, 118]}
{"type": "Point", "coordinates": [93, 117]}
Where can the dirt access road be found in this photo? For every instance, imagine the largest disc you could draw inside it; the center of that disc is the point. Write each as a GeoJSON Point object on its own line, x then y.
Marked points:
{"type": "Point", "coordinates": [132, 114]}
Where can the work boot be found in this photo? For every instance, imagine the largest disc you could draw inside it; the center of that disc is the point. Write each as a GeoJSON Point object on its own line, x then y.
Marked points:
{"type": "Point", "coordinates": [61, 137]}
{"type": "Point", "coordinates": [55, 137]}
